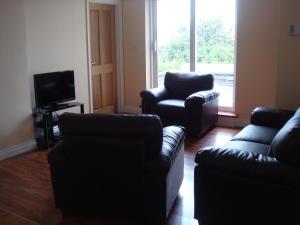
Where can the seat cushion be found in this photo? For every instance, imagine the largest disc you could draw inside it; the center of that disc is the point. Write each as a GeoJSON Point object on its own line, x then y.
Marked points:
{"type": "Point", "coordinates": [285, 145]}
{"type": "Point", "coordinates": [248, 146]}
{"type": "Point", "coordinates": [255, 133]}
{"type": "Point", "coordinates": [173, 108]}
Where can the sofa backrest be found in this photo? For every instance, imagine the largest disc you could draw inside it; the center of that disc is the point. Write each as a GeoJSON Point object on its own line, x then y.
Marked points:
{"type": "Point", "coordinates": [103, 132]}
{"type": "Point", "coordinates": [181, 85]}
{"type": "Point", "coordinates": [286, 144]}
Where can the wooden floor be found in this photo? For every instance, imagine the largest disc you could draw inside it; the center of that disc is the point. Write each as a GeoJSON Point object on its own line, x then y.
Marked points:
{"type": "Point", "coordinates": [25, 187]}
{"type": "Point", "coordinates": [10, 218]}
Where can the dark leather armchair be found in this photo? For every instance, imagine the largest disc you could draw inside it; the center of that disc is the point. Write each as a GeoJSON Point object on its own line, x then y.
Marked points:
{"type": "Point", "coordinates": [117, 165]}
{"type": "Point", "coordinates": [255, 177]}
{"type": "Point", "coordinates": [187, 99]}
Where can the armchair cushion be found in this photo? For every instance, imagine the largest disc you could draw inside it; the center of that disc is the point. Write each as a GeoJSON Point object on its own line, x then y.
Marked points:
{"type": "Point", "coordinates": [181, 85]}
{"type": "Point", "coordinates": [285, 145]}
{"type": "Point", "coordinates": [173, 108]}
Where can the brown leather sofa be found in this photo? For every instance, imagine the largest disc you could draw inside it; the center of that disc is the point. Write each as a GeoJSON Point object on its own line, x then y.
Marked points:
{"type": "Point", "coordinates": [187, 99]}
{"type": "Point", "coordinates": [117, 165]}
{"type": "Point", "coordinates": [254, 178]}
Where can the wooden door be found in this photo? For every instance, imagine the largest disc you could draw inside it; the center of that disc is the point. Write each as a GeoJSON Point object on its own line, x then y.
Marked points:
{"type": "Point", "coordinates": [102, 27]}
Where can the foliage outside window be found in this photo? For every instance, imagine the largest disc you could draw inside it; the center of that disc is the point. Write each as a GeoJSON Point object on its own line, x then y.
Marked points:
{"type": "Point", "coordinates": [215, 46]}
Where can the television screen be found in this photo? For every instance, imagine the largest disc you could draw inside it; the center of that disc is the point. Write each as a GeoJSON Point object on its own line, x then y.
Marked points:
{"type": "Point", "coordinates": [53, 88]}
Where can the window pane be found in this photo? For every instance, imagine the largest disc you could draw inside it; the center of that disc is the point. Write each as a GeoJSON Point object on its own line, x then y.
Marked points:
{"type": "Point", "coordinates": [173, 37]}
{"type": "Point", "coordinates": [215, 33]}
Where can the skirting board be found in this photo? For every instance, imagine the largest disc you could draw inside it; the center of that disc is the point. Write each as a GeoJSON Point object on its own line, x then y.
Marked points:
{"type": "Point", "coordinates": [17, 149]}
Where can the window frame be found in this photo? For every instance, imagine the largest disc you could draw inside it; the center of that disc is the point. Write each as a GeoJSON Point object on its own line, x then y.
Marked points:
{"type": "Point", "coordinates": [193, 47]}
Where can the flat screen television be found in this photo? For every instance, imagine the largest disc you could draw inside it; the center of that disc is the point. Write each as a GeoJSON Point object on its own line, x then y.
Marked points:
{"type": "Point", "coordinates": [53, 88]}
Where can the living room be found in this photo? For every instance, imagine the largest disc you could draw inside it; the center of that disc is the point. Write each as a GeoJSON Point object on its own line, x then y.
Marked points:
{"type": "Point", "coordinates": [45, 36]}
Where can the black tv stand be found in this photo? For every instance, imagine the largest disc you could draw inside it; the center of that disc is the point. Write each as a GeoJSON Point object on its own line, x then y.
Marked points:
{"type": "Point", "coordinates": [46, 123]}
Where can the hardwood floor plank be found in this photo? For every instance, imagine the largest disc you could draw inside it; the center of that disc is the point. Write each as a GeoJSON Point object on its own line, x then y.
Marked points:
{"type": "Point", "coordinates": [25, 187]}
{"type": "Point", "coordinates": [8, 218]}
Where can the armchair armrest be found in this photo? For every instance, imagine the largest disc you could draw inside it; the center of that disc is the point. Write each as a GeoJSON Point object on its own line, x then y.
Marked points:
{"type": "Point", "coordinates": [56, 154]}
{"type": "Point", "coordinates": [265, 116]}
{"type": "Point", "coordinates": [246, 164]}
{"type": "Point", "coordinates": [173, 143]}
{"type": "Point", "coordinates": [154, 95]}
{"type": "Point", "coordinates": [200, 97]}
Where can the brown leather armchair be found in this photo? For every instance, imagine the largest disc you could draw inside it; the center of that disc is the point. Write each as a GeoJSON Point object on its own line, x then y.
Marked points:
{"type": "Point", "coordinates": [117, 165]}
{"type": "Point", "coordinates": [187, 99]}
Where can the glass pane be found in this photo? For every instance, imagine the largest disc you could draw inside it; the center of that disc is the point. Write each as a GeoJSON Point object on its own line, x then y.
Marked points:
{"type": "Point", "coordinates": [173, 37]}
{"type": "Point", "coordinates": [215, 34]}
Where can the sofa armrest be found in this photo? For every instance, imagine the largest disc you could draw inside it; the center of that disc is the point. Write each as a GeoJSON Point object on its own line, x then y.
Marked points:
{"type": "Point", "coordinates": [246, 164]}
{"type": "Point", "coordinates": [200, 97]}
{"type": "Point", "coordinates": [154, 95]}
{"type": "Point", "coordinates": [56, 154]}
{"type": "Point", "coordinates": [173, 143]}
{"type": "Point", "coordinates": [270, 117]}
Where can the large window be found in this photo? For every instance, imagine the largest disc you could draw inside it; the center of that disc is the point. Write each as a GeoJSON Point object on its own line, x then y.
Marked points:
{"type": "Point", "coordinates": [197, 35]}
{"type": "Point", "coordinates": [173, 36]}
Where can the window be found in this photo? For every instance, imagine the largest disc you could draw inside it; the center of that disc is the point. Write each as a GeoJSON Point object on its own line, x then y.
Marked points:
{"type": "Point", "coordinates": [173, 37]}
{"type": "Point", "coordinates": [197, 35]}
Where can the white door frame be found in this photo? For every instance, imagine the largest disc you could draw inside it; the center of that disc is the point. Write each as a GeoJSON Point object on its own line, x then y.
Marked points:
{"type": "Point", "coordinates": [119, 51]}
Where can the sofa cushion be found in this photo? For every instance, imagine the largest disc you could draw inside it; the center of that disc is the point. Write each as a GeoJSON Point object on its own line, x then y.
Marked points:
{"type": "Point", "coordinates": [255, 133]}
{"type": "Point", "coordinates": [285, 145]}
{"type": "Point", "coordinates": [248, 146]}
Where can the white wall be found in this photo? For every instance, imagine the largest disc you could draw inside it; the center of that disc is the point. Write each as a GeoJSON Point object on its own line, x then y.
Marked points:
{"type": "Point", "coordinates": [288, 94]}
{"type": "Point", "coordinates": [134, 42]}
{"type": "Point", "coordinates": [15, 113]}
{"type": "Point", "coordinates": [37, 36]}
{"type": "Point", "coordinates": [268, 65]}
{"type": "Point", "coordinates": [256, 55]}
{"type": "Point", "coordinates": [56, 40]}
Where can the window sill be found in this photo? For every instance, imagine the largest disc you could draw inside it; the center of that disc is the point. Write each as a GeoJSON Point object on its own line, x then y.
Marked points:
{"type": "Point", "coordinates": [227, 114]}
